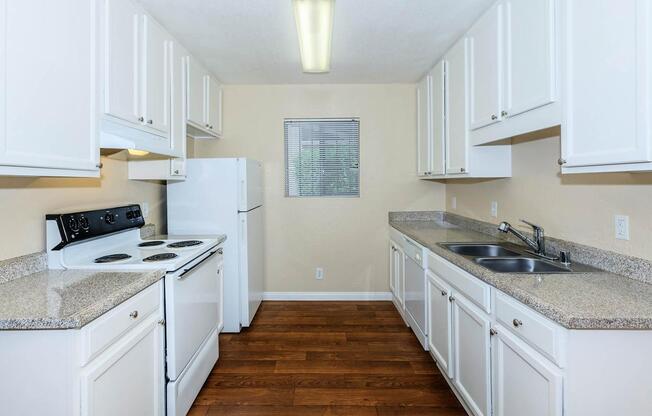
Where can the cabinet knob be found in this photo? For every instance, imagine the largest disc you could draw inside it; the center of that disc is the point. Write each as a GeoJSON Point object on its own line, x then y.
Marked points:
{"type": "Point", "coordinates": [141, 119]}
{"type": "Point", "coordinates": [207, 125]}
{"type": "Point", "coordinates": [451, 298]}
{"type": "Point", "coordinates": [176, 171]}
{"type": "Point", "coordinates": [561, 161]}
{"type": "Point", "coordinates": [134, 314]}
{"type": "Point", "coordinates": [494, 117]}
{"type": "Point", "coordinates": [150, 121]}
{"type": "Point", "coordinates": [443, 293]}
{"type": "Point", "coordinates": [462, 170]}
{"type": "Point", "coordinates": [493, 332]}
{"type": "Point", "coordinates": [503, 113]}
{"type": "Point", "coordinates": [517, 322]}
{"type": "Point", "coordinates": [161, 322]}
{"type": "Point", "coordinates": [210, 127]}
{"type": "Point", "coordinates": [99, 165]}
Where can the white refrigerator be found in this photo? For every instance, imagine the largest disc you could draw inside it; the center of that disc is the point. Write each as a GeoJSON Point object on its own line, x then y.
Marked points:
{"type": "Point", "coordinates": [225, 196]}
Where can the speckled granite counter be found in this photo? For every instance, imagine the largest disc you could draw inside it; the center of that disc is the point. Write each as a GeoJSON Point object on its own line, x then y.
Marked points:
{"type": "Point", "coordinates": [596, 300]}
{"type": "Point", "coordinates": [63, 299]}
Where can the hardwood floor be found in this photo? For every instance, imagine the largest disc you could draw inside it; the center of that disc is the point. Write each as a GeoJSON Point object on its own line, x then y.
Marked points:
{"type": "Point", "coordinates": [325, 358]}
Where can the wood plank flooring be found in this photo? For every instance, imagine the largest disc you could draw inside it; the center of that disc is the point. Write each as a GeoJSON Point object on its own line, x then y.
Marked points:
{"type": "Point", "coordinates": [325, 358]}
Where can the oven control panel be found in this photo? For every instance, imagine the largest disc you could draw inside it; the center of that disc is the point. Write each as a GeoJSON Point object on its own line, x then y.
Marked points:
{"type": "Point", "coordinates": [79, 226]}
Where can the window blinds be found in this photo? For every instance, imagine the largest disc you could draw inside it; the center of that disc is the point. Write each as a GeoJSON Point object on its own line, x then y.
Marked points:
{"type": "Point", "coordinates": [322, 157]}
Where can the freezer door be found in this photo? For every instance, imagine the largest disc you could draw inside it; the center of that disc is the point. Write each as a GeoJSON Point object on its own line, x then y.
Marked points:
{"type": "Point", "coordinates": [251, 253]}
{"type": "Point", "coordinates": [250, 184]}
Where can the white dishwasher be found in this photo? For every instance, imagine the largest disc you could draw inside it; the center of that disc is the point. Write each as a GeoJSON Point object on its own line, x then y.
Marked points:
{"type": "Point", "coordinates": [415, 289]}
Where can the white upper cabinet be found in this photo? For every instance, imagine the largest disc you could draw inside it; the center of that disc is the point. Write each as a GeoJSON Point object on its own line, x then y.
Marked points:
{"type": "Point", "coordinates": [204, 102]}
{"type": "Point", "coordinates": [121, 46]}
{"type": "Point", "coordinates": [438, 119]}
{"type": "Point", "coordinates": [485, 68]}
{"type": "Point", "coordinates": [606, 89]}
{"type": "Point", "coordinates": [48, 97]}
{"type": "Point", "coordinates": [156, 79]}
{"type": "Point", "coordinates": [424, 138]}
{"type": "Point", "coordinates": [458, 128]}
{"type": "Point", "coordinates": [530, 55]}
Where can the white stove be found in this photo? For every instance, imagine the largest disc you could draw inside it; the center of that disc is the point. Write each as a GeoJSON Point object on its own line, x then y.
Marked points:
{"type": "Point", "coordinates": [109, 239]}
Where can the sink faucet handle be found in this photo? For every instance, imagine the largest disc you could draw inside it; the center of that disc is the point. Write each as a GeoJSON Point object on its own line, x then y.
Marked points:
{"type": "Point", "coordinates": [534, 226]}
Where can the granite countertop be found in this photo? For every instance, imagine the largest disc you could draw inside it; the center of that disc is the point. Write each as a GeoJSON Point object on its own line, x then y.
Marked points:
{"type": "Point", "coordinates": [591, 300]}
{"type": "Point", "coordinates": [64, 299]}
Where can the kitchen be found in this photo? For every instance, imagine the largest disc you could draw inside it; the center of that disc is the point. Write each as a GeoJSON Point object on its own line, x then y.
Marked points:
{"type": "Point", "coordinates": [341, 212]}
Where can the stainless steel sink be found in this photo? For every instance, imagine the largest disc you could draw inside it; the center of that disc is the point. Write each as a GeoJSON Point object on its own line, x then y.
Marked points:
{"type": "Point", "coordinates": [481, 250]}
{"type": "Point", "coordinates": [520, 265]}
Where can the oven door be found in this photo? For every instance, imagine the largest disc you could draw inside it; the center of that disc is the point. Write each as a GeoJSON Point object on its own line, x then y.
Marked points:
{"type": "Point", "coordinates": [191, 309]}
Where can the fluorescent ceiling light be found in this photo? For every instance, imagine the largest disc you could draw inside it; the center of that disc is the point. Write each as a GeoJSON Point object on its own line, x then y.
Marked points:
{"type": "Point", "coordinates": [135, 152]}
{"type": "Point", "coordinates": [315, 29]}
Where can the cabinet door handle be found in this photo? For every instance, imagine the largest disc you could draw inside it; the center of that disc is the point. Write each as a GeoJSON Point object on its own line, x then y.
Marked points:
{"type": "Point", "coordinates": [134, 314]}
{"type": "Point", "coordinates": [444, 293]}
{"type": "Point", "coordinates": [451, 298]}
{"type": "Point", "coordinates": [176, 171]}
{"type": "Point", "coordinates": [99, 165]}
{"type": "Point", "coordinates": [462, 170]}
{"type": "Point", "coordinates": [493, 332]}
{"type": "Point", "coordinates": [503, 113]}
{"type": "Point", "coordinates": [517, 322]}
{"type": "Point", "coordinates": [150, 121]}
{"type": "Point", "coordinates": [561, 161]}
{"type": "Point", "coordinates": [161, 322]}
{"type": "Point", "coordinates": [494, 117]}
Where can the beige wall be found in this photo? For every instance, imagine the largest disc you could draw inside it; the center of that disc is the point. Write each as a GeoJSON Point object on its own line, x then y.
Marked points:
{"type": "Point", "coordinates": [25, 201]}
{"type": "Point", "coordinates": [580, 208]}
{"type": "Point", "coordinates": [345, 236]}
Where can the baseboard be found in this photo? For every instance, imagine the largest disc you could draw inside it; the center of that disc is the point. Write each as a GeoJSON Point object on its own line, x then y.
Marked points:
{"type": "Point", "coordinates": [327, 296]}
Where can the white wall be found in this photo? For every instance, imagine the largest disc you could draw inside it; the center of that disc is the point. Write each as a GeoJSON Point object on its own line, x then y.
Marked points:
{"type": "Point", "coordinates": [579, 208]}
{"type": "Point", "coordinates": [345, 236]}
{"type": "Point", "coordinates": [25, 201]}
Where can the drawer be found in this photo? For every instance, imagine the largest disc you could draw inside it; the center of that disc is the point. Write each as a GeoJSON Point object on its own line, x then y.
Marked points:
{"type": "Point", "coordinates": [471, 287]}
{"type": "Point", "coordinates": [541, 333]}
{"type": "Point", "coordinates": [108, 328]}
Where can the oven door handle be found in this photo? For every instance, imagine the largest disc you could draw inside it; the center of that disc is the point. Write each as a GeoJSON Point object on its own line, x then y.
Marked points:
{"type": "Point", "coordinates": [186, 271]}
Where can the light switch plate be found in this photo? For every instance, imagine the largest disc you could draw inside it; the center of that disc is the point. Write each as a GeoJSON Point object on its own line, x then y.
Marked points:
{"type": "Point", "coordinates": [454, 202]}
{"type": "Point", "coordinates": [319, 273]}
{"type": "Point", "coordinates": [622, 227]}
{"type": "Point", "coordinates": [494, 209]}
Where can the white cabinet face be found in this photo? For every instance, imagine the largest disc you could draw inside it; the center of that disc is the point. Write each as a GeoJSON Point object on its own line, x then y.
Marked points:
{"type": "Point", "coordinates": [606, 88]}
{"type": "Point", "coordinates": [48, 108]}
{"type": "Point", "coordinates": [438, 119]}
{"type": "Point", "coordinates": [400, 275]}
{"type": "Point", "coordinates": [128, 378]}
{"type": "Point", "coordinates": [440, 335]}
{"type": "Point", "coordinates": [392, 267]}
{"type": "Point", "coordinates": [156, 85]}
{"type": "Point", "coordinates": [423, 126]}
{"type": "Point", "coordinates": [214, 105]}
{"type": "Point", "coordinates": [178, 57]}
{"type": "Point", "coordinates": [523, 382]}
{"type": "Point", "coordinates": [530, 55]}
{"type": "Point", "coordinates": [196, 94]}
{"type": "Point", "coordinates": [472, 356]}
{"type": "Point", "coordinates": [457, 138]}
{"type": "Point", "coordinates": [485, 68]}
{"type": "Point", "coordinates": [121, 44]}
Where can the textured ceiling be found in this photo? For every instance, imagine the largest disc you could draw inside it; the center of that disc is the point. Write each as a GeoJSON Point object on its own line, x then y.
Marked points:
{"type": "Point", "coordinates": [374, 41]}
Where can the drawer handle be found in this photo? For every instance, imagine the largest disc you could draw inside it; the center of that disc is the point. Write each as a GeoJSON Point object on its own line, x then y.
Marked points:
{"type": "Point", "coordinates": [517, 322]}
{"type": "Point", "coordinates": [134, 314]}
{"type": "Point", "coordinates": [443, 293]}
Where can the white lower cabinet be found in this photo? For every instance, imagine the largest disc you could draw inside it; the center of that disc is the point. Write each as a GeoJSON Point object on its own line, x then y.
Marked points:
{"type": "Point", "coordinates": [128, 378]}
{"type": "Point", "coordinates": [524, 382]}
{"type": "Point", "coordinates": [397, 274]}
{"type": "Point", "coordinates": [471, 354]}
{"type": "Point", "coordinates": [440, 330]}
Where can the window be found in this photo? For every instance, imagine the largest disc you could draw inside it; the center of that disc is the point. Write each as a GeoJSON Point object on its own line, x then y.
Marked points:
{"type": "Point", "coordinates": [322, 157]}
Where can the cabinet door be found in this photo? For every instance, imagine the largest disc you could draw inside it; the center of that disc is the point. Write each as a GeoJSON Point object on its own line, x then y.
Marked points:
{"type": "Point", "coordinates": [440, 336]}
{"type": "Point", "coordinates": [156, 82]}
{"type": "Point", "coordinates": [121, 51]}
{"type": "Point", "coordinates": [457, 123]}
{"type": "Point", "coordinates": [178, 57]}
{"type": "Point", "coordinates": [48, 96]}
{"type": "Point", "coordinates": [400, 275]}
{"type": "Point", "coordinates": [423, 126]}
{"type": "Point", "coordinates": [214, 105]}
{"type": "Point", "coordinates": [196, 94]}
{"type": "Point", "coordinates": [392, 267]}
{"type": "Point", "coordinates": [606, 90]}
{"type": "Point", "coordinates": [128, 379]}
{"type": "Point", "coordinates": [530, 55]}
{"type": "Point", "coordinates": [485, 68]}
{"type": "Point", "coordinates": [472, 355]}
{"type": "Point", "coordinates": [438, 117]}
{"type": "Point", "coordinates": [524, 383]}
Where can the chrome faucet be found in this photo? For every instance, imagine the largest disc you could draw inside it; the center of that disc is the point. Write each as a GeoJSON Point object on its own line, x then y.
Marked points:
{"type": "Point", "coordinates": [538, 244]}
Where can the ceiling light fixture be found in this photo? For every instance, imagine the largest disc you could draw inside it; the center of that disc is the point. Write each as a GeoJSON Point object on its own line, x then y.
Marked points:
{"type": "Point", "coordinates": [135, 152]}
{"type": "Point", "coordinates": [314, 20]}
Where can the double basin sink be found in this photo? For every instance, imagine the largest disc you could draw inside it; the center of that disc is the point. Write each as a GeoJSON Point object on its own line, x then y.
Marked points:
{"type": "Point", "coordinates": [505, 258]}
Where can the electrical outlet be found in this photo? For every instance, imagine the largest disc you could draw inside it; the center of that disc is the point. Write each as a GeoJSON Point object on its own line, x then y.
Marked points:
{"type": "Point", "coordinates": [144, 206]}
{"type": "Point", "coordinates": [319, 273]}
{"type": "Point", "coordinates": [454, 202]}
{"type": "Point", "coordinates": [494, 209]}
{"type": "Point", "coordinates": [622, 227]}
